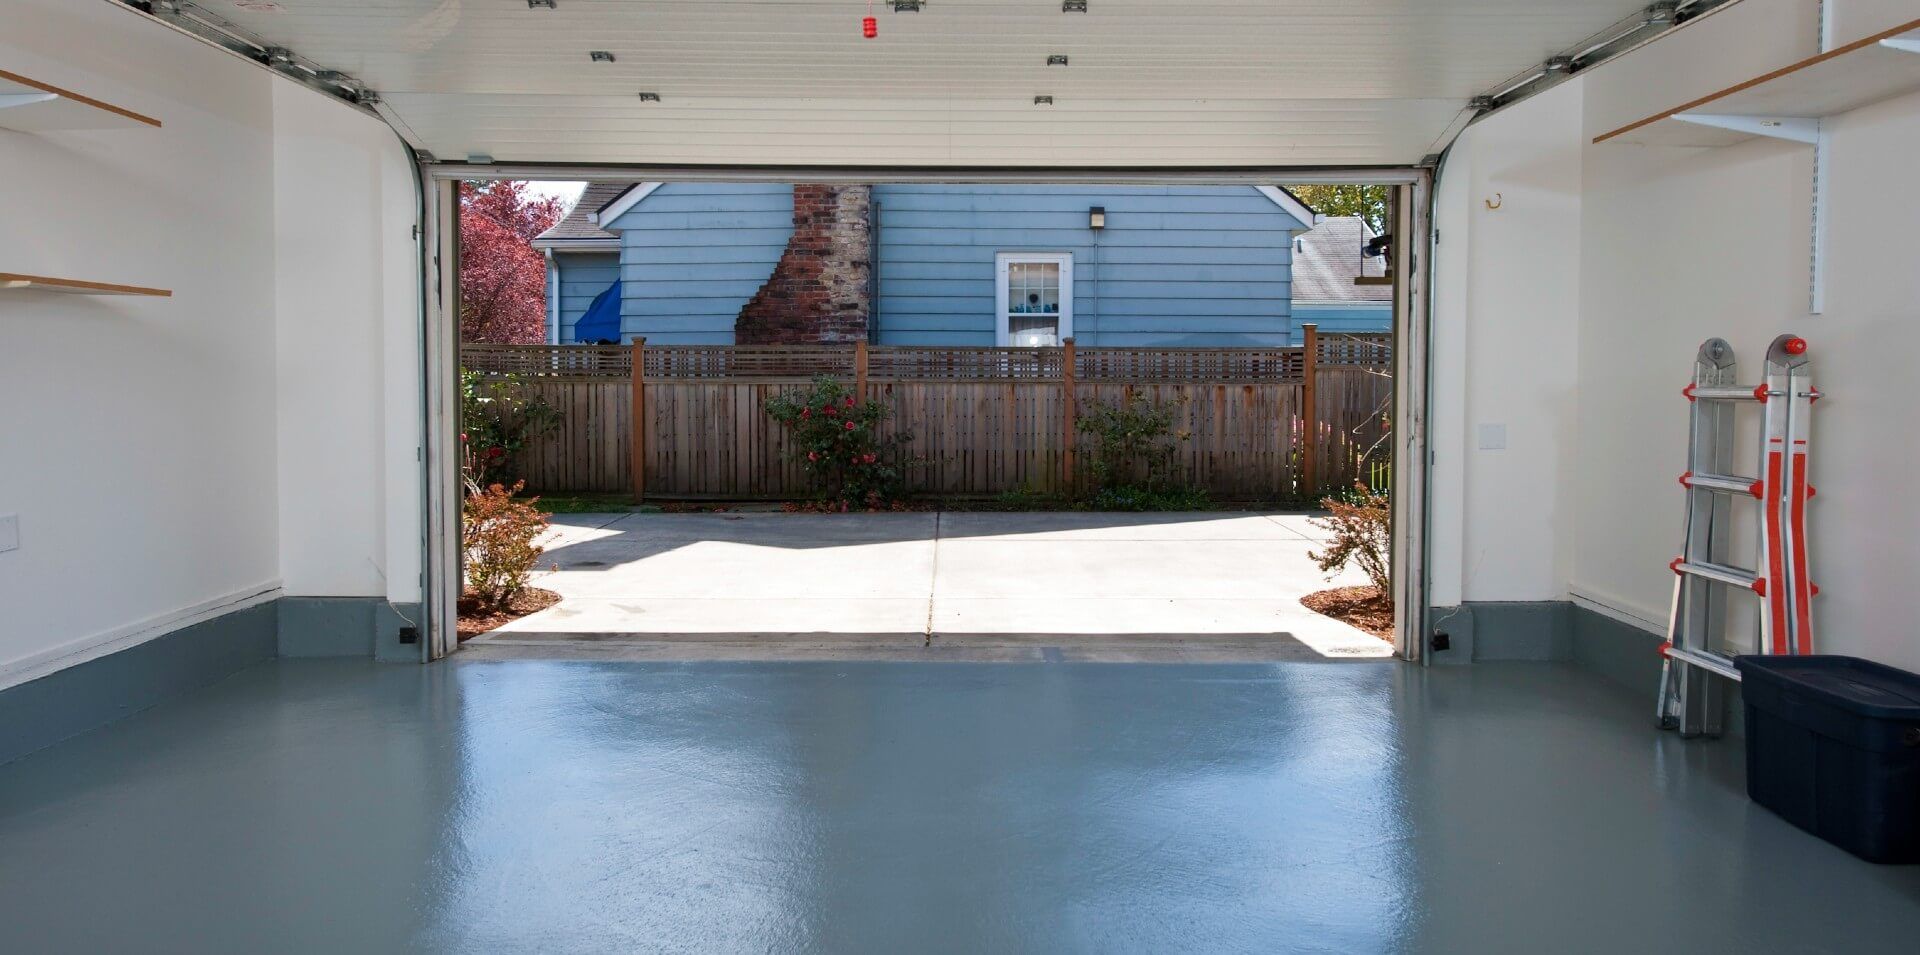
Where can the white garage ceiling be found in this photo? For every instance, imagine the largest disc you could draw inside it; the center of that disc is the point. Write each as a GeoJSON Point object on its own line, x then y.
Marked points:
{"type": "Point", "coordinates": [784, 82]}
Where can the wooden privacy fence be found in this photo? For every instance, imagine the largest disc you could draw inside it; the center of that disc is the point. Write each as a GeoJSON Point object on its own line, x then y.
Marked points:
{"type": "Point", "coordinates": [984, 420]}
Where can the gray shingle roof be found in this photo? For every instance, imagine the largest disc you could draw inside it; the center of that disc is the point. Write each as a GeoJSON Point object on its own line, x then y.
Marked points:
{"type": "Point", "coordinates": [576, 226]}
{"type": "Point", "coordinates": [1327, 259]}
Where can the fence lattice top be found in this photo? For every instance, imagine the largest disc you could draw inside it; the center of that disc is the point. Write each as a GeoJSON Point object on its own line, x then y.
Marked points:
{"type": "Point", "coordinates": [1374, 350]}
{"type": "Point", "coordinates": [549, 361]}
{"type": "Point", "coordinates": [918, 363]}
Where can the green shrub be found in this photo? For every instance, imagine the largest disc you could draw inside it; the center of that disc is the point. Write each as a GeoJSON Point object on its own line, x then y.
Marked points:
{"type": "Point", "coordinates": [497, 419]}
{"type": "Point", "coordinates": [1131, 459]}
{"type": "Point", "coordinates": [496, 542]}
{"type": "Point", "coordinates": [1361, 525]}
{"type": "Point", "coordinates": [838, 442]}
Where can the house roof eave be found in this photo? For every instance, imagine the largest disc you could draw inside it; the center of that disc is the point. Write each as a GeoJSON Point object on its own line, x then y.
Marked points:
{"type": "Point", "coordinates": [619, 205]}
{"type": "Point", "coordinates": [577, 245]}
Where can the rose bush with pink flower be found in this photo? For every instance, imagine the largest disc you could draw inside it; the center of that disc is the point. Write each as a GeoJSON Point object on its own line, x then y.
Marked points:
{"type": "Point", "coordinates": [499, 416]}
{"type": "Point", "coordinates": [842, 443]}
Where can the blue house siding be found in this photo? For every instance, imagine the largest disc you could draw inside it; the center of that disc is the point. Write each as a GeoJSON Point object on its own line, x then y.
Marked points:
{"type": "Point", "coordinates": [1195, 266]}
{"type": "Point", "coordinates": [582, 275]}
{"type": "Point", "coordinates": [692, 254]}
{"type": "Point", "coordinates": [1352, 319]}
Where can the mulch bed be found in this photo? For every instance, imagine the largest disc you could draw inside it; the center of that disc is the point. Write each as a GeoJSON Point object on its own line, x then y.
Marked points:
{"type": "Point", "coordinates": [475, 621]}
{"type": "Point", "coordinates": [1363, 607]}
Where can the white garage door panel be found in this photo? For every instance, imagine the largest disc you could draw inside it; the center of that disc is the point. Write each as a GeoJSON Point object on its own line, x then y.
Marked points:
{"type": "Point", "coordinates": [1150, 81]}
{"type": "Point", "coordinates": [609, 129]}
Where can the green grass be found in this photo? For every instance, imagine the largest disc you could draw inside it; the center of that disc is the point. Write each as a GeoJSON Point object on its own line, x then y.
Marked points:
{"type": "Point", "coordinates": [573, 503]}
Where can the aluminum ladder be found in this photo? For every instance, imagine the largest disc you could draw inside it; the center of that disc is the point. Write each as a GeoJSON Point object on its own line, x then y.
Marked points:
{"type": "Point", "coordinates": [1690, 694]}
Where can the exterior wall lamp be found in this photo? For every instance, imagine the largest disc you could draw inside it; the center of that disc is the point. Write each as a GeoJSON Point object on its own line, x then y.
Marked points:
{"type": "Point", "coordinates": [1097, 218]}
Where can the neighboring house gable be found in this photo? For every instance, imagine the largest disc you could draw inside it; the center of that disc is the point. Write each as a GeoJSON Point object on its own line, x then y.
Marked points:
{"type": "Point", "coordinates": [1325, 263]}
{"type": "Point", "coordinates": [693, 254]}
{"type": "Point", "coordinates": [582, 259]}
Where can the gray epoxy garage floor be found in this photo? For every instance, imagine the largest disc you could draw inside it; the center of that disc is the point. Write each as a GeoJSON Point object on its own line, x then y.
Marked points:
{"type": "Point", "coordinates": [1179, 587]}
{"type": "Point", "coordinates": [330, 806]}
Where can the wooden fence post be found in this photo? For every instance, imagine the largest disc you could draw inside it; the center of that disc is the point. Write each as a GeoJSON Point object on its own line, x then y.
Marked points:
{"type": "Point", "coordinates": [1309, 411]}
{"type": "Point", "coordinates": [1070, 411]}
{"type": "Point", "coordinates": [860, 370]}
{"type": "Point", "coordinates": [639, 424]}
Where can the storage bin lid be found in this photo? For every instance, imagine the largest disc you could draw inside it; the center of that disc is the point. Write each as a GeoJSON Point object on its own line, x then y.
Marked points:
{"type": "Point", "coordinates": [1858, 686]}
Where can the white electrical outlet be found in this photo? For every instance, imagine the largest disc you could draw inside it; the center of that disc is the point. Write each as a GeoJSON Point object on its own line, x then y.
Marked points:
{"type": "Point", "coordinates": [1493, 437]}
{"type": "Point", "coordinates": [9, 532]}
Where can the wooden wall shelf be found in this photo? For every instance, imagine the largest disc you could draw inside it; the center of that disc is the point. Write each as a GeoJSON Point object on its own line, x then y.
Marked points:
{"type": "Point", "coordinates": [33, 107]}
{"type": "Point", "coordinates": [16, 281]}
{"type": "Point", "coordinates": [1789, 102]}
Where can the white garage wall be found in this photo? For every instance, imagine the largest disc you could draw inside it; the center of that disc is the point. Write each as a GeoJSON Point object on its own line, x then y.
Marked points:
{"type": "Point", "coordinates": [1853, 19]}
{"type": "Point", "coordinates": [348, 355]}
{"type": "Point", "coordinates": [1506, 300]}
{"type": "Point", "coordinates": [1866, 550]}
{"type": "Point", "coordinates": [136, 435]}
{"type": "Point", "coordinates": [173, 459]}
{"type": "Point", "coordinates": [1728, 257]}
{"type": "Point", "coordinates": [1674, 245]}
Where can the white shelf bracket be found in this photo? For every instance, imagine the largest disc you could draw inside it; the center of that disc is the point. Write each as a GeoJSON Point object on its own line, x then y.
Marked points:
{"type": "Point", "coordinates": [1796, 129]}
{"type": "Point", "coordinates": [25, 99]}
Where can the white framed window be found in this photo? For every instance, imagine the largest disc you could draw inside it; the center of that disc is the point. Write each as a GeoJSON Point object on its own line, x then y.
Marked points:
{"type": "Point", "coordinates": [1033, 298]}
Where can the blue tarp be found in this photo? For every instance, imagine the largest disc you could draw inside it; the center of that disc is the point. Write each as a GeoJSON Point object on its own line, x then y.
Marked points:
{"type": "Point", "coordinates": [602, 319]}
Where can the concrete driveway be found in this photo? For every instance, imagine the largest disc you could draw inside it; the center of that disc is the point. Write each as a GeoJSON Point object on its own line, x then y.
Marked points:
{"type": "Point", "coordinates": [1204, 586]}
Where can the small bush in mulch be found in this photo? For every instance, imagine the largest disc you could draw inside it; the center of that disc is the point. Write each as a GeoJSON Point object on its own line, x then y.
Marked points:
{"type": "Point", "coordinates": [477, 617]}
{"type": "Point", "coordinates": [1360, 523]}
{"type": "Point", "coordinates": [1366, 608]}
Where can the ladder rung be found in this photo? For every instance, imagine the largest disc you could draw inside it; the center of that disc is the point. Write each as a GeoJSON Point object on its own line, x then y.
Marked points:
{"type": "Point", "coordinates": [1705, 660]}
{"type": "Point", "coordinates": [1731, 576]}
{"type": "Point", "coordinates": [1735, 393]}
{"type": "Point", "coordinates": [1730, 483]}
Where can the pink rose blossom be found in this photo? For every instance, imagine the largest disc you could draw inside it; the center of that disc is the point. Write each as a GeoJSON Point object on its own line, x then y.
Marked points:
{"type": "Point", "coordinates": [850, 426]}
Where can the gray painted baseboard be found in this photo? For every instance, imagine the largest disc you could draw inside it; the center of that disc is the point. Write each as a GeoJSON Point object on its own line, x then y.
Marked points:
{"type": "Point", "coordinates": [66, 703]}
{"type": "Point", "coordinates": [1562, 631]}
{"type": "Point", "coordinates": [347, 627]}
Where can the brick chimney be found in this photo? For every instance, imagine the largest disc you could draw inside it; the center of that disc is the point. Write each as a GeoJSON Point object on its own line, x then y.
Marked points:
{"type": "Point", "coordinates": [819, 290]}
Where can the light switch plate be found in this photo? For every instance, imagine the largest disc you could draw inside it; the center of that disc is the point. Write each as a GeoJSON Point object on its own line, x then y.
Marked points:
{"type": "Point", "coordinates": [1493, 437]}
{"type": "Point", "coordinates": [9, 532]}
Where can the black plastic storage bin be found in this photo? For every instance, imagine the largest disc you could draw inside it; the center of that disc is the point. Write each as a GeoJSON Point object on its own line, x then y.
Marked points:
{"type": "Point", "coordinates": [1833, 746]}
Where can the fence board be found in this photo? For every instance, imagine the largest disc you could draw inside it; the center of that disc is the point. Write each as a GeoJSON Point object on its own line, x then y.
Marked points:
{"type": "Point", "coordinates": [985, 420]}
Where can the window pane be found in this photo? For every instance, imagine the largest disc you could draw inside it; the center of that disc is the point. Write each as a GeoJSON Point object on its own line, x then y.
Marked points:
{"type": "Point", "coordinates": [1033, 331]}
{"type": "Point", "coordinates": [1033, 288]}
{"type": "Point", "coordinates": [1033, 303]}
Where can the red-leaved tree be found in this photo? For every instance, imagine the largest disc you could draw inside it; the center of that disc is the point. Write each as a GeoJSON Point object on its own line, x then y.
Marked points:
{"type": "Point", "coordinates": [503, 279]}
